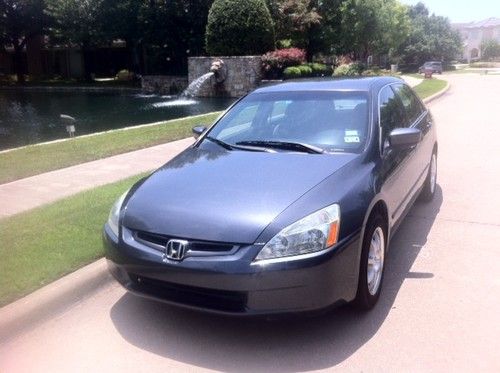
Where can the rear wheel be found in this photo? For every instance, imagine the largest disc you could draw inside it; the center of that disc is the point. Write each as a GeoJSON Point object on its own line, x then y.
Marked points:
{"type": "Point", "coordinates": [372, 263]}
{"type": "Point", "coordinates": [429, 189]}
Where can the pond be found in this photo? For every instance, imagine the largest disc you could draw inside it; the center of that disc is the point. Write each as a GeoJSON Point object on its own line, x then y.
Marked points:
{"type": "Point", "coordinates": [28, 117]}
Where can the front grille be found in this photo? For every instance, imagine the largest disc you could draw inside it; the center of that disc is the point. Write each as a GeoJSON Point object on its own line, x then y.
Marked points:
{"type": "Point", "coordinates": [160, 241]}
{"type": "Point", "coordinates": [221, 300]}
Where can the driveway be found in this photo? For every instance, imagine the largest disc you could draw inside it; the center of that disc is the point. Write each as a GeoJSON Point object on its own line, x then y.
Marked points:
{"type": "Point", "coordinates": [439, 310]}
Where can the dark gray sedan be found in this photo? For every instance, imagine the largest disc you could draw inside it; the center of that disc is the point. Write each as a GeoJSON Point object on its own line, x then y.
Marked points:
{"type": "Point", "coordinates": [286, 204]}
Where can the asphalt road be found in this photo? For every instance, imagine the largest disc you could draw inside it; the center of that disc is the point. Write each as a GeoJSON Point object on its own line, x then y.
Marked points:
{"type": "Point", "coordinates": [439, 310]}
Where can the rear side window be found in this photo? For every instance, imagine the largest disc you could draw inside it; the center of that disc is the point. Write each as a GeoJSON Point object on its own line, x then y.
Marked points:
{"type": "Point", "coordinates": [412, 106]}
{"type": "Point", "coordinates": [391, 112]}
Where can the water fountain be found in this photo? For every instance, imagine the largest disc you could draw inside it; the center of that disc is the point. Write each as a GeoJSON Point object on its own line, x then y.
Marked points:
{"type": "Point", "coordinates": [217, 75]}
{"type": "Point", "coordinates": [233, 76]}
{"type": "Point", "coordinates": [196, 84]}
{"type": "Point", "coordinates": [218, 71]}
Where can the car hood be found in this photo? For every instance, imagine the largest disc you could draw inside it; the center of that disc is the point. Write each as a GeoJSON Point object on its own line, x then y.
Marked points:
{"type": "Point", "coordinates": [225, 196]}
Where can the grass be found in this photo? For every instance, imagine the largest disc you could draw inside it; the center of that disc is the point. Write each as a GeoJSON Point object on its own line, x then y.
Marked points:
{"type": "Point", "coordinates": [429, 86]}
{"type": "Point", "coordinates": [36, 159]}
{"type": "Point", "coordinates": [43, 244]}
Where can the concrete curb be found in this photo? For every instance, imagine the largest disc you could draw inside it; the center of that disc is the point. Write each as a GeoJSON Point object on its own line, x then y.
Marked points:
{"type": "Point", "coordinates": [52, 299]}
{"type": "Point", "coordinates": [437, 94]}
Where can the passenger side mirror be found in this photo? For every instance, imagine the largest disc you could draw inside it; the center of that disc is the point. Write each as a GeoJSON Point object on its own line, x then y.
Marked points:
{"type": "Point", "coordinates": [198, 131]}
{"type": "Point", "coordinates": [404, 138]}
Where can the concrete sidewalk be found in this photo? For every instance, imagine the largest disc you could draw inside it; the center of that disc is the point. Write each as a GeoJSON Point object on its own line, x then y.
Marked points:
{"type": "Point", "coordinates": [25, 194]}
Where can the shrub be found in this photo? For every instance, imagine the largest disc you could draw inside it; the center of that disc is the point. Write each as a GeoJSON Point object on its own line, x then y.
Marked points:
{"type": "Point", "coordinates": [292, 72]}
{"type": "Point", "coordinates": [319, 69]}
{"type": "Point", "coordinates": [376, 71]}
{"type": "Point", "coordinates": [352, 69]}
{"type": "Point", "coordinates": [305, 70]}
{"type": "Point", "coordinates": [490, 49]}
{"type": "Point", "coordinates": [273, 63]}
{"type": "Point", "coordinates": [239, 27]}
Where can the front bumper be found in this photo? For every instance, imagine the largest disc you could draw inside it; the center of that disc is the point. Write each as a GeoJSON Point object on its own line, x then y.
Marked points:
{"type": "Point", "coordinates": [232, 284]}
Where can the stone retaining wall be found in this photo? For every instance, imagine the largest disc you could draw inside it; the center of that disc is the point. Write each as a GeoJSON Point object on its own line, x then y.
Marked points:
{"type": "Point", "coordinates": [243, 75]}
{"type": "Point", "coordinates": [164, 84]}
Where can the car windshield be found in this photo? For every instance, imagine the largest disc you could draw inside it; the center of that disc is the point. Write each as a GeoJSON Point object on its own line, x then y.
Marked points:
{"type": "Point", "coordinates": [302, 121]}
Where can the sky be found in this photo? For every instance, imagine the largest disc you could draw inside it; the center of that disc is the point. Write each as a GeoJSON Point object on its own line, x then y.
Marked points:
{"type": "Point", "coordinates": [462, 10]}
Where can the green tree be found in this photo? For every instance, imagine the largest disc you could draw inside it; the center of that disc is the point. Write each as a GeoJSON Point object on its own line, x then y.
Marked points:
{"type": "Point", "coordinates": [125, 19]}
{"type": "Point", "coordinates": [372, 26]}
{"type": "Point", "coordinates": [329, 38]}
{"type": "Point", "coordinates": [431, 37]}
{"type": "Point", "coordinates": [19, 21]}
{"type": "Point", "coordinates": [79, 23]}
{"type": "Point", "coordinates": [295, 20]}
{"type": "Point", "coordinates": [167, 31]}
{"type": "Point", "coordinates": [183, 31]}
{"type": "Point", "coordinates": [490, 48]}
{"type": "Point", "coordinates": [239, 27]}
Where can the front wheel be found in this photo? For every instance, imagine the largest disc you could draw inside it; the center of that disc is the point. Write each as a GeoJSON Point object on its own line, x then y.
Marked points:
{"type": "Point", "coordinates": [372, 263]}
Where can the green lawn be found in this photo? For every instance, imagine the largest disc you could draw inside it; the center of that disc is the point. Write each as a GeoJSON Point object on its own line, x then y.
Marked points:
{"type": "Point", "coordinates": [428, 87]}
{"type": "Point", "coordinates": [43, 244]}
{"type": "Point", "coordinates": [36, 159]}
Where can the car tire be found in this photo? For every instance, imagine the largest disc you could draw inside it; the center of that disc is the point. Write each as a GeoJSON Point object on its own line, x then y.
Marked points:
{"type": "Point", "coordinates": [429, 188]}
{"type": "Point", "coordinates": [373, 253]}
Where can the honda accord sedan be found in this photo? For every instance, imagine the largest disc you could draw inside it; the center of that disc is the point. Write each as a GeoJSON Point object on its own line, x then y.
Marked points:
{"type": "Point", "coordinates": [286, 204]}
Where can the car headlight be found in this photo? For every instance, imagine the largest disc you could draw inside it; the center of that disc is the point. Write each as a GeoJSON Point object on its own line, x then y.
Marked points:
{"type": "Point", "coordinates": [114, 214]}
{"type": "Point", "coordinates": [313, 233]}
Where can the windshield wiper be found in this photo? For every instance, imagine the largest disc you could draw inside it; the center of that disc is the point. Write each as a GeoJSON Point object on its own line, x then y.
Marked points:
{"type": "Point", "coordinates": [225, 145]}
{"type": "Point", "coordinates": [298, 146]}
{"type": "Point", "coordinates": [228, 146]}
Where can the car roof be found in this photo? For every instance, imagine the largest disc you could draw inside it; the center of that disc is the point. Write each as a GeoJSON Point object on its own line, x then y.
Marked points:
{"type": "Point", "coordinates": [330, 84]}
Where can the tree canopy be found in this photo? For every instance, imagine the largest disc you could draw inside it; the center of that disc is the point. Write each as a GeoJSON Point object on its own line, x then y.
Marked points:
{"type": "Point", "coordinates": [431, 37]}
{"type": "Point", "coordinates": [239, 27]}
{"type": "Point", "coordinates": [19, 21]}
{"type": "Point", "coordinates": [167, 32]}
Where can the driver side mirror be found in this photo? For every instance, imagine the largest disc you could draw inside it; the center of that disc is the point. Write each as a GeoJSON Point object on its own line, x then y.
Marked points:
{"type": "Point", "coordinates": [198, 131]}
{"type": "Point", "coordinates": [404, 138]}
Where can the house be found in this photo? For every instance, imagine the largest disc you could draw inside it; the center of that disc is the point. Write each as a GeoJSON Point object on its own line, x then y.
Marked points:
{"type": "Point", "coordinates": [473, 33]}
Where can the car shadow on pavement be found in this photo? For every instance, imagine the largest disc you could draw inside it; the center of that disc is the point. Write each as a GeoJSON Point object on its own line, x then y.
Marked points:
{"type": "Point", "coordinates": [304, 343]}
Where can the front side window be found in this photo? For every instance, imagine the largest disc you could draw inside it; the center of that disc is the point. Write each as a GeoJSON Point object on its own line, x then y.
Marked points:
{"type": "Point", "coordinates": [391, 113]}
{"type": "Point", "coordinates": [332, 121]}
{"type": "Point", "coordinates": [412, 106]}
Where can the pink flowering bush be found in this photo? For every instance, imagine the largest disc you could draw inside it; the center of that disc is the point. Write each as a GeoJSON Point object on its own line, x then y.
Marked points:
{"type": "Point", "coordinates": [273, 63]}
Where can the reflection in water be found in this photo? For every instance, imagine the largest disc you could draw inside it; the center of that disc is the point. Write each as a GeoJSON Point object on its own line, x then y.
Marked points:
{"type": "Point", "coordinates": [28, 117]}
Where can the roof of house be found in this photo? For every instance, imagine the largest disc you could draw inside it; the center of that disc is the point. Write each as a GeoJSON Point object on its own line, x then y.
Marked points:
{"type": "Point", "coordinates": [489, 22]}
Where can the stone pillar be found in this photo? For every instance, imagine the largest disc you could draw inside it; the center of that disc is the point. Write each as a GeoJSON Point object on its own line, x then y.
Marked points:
{"type": "Point", "coordinates": [244, 74]}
